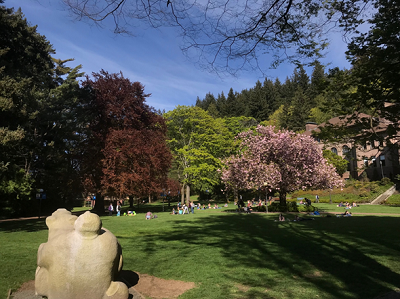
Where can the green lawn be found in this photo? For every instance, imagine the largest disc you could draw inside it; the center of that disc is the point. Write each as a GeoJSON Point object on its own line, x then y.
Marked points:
{"type": "Point", "coordinates": [361, 208]}
{"type": "Point", "coordinates": [231, 255]}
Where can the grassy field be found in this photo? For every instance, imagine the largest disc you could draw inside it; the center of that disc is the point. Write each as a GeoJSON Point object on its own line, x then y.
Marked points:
{"type": "Point", "coordinates": [231, 255]}
{"type": "Point", "coordinates": [361, 208]}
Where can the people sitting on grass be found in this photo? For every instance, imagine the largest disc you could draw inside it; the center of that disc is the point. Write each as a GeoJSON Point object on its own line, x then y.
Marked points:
{"type": "Point", "coordinates": [204, 207]}
{"type": "Point", "coordinates": [281, 217]}
{"type": "Point", "coordinates": [216, 206]}
{"type": "Point", "coordinates": [174, 212]}
{"type": "Point", "coordinates": [131, 213]}
{"type": "Point", "coordinates": [149, 215]}
{"type": "Point", "coordinates": [209, 206]}
{"type": "Point", "coordinates": [340, 204]}
{"type": "Point", "coordinates": [347, 214]}
{"type": "Point", "coordinates": [354, 204]}
{"type": "Point", "coordinates": [249, 209]}
{"type": "Point", "coordinates": [225, 205]}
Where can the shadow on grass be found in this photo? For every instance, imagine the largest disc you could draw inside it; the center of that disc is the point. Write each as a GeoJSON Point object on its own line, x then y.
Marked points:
{"type": "Point", "coordinates": [338, 257]}
{"type": "Point", "coordinates": [28, 225]}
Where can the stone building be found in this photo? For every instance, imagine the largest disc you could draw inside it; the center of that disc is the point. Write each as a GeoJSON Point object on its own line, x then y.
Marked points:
{"type": "Point", "coordinates": [373, 159]}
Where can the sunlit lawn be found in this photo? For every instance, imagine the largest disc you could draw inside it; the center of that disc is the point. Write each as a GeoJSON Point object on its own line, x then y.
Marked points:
{"type": "Point", "coordinates": [361, 208]}
{"type": "Point", "coordinates": [231, 255]}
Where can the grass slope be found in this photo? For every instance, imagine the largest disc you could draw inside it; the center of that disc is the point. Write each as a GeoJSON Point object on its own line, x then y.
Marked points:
{"type": "Point", "coordinates": [232, 255]}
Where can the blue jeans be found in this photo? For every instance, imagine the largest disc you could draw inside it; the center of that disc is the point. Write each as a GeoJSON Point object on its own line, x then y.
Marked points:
{"type": "Point", "coordinates": [192, 210]}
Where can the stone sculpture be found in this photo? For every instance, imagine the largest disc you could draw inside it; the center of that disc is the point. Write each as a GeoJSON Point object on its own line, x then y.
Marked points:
{"type": "Point", "coordinates": [80, 259]}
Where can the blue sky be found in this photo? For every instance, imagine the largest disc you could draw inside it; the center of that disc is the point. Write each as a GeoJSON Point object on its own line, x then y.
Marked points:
{"type": "Point", "coordinates": [152, 56]}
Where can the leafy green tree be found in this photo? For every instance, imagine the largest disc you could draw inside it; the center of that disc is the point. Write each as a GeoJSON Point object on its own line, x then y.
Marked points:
{"type": "Point", "coordinates": [197, 142]}
{"type": "Point", "coordinates": [239, 124]}
{"type": "Point", "coordinates": [275, 118]}
{"type": "Point", "coordinates": [338, 162]}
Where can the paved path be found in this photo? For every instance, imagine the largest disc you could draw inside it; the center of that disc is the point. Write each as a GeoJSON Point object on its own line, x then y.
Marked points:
{"type": "Point", "coordinates": [381, 198]}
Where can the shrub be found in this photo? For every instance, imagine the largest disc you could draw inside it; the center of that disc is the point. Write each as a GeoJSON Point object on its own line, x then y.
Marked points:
{"type": "Point", "coordinates": [261, 209]}
{"type": "Point", "coordinates": [277, 207]}
{"type": "Point", "coordinates": [304, 208]}
{"type": "Point", "coordinates": [374, 187]}
{"type": "Point", "coordinates": [290, 207]}
{"type": "Point", "coordinates": [385, 181]}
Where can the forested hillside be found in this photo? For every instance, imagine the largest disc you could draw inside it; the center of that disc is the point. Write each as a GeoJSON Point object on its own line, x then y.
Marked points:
{"type": "Point", "coordinates": [290, 104]}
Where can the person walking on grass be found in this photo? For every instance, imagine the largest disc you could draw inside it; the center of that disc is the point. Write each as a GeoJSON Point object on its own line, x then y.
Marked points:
{"type": "Point", "coordinates": [118, 208]}
{"type": "Point", "coordinates": [110, 209]}
{"type": "Point", "coordinates": [185, 209]}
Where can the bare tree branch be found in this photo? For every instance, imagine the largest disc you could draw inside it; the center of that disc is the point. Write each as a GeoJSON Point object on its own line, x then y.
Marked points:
{"type": "Point", "coordinates": [223, 33]}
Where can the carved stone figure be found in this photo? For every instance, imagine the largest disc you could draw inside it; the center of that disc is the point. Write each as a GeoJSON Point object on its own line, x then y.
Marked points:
{"type": "Point", "coordinates": [80, 259]}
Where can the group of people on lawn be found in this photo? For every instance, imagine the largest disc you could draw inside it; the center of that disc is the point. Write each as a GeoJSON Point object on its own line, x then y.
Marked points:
{"type": "Point", "coordinates": [186, 209]}
{"type": "Point", "coordinates": [347, 205]}
{"type": "Point", "coordinates": [250, 204]}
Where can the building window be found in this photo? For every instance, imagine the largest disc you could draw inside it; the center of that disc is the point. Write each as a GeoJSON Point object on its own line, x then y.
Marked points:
{"type": "Point", "coordinates": [334, 150]}
{"type": "Point", "coordinates": [345, 150]}
{"type": "Point", "coordinates": [382, 160]}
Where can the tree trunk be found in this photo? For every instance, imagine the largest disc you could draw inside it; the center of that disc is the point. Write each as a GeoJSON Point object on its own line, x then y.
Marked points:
{"type": "Point", "coordinates": [226, 196]}
{"type": "Point", "coordinates": [130, 201]}
{"type": "Point", "coordinates": [138, 203]}
{"type": "Point", "coordinates": [183, 194]}
{"type": "Point", "coordinates": [187, 194]}
{"type": "Point", "coordinates": [282, 198]}
{"type": "Point", "coordinates": [235, 195]}
{"type": "Point", "coordinates": [99, 205]}
{"type": "Point", "coordinates": [150, 198]}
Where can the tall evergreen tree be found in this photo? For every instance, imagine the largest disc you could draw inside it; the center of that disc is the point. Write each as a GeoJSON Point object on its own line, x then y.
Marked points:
{"type": "Point", "coordinates": [231, 103]}
{"type": "Point", "coordinates": [257, 106]}
{"type": "Point", "coordinates": [317, 80]}
{"type": "Point", "coordinates": [221, 105]}
{"type": "Point", "coordinates": [40, 122]}
{"type": "Point", "coordinates": [300, 78]}
{"type": "Point", "coordinates": [271, 97]}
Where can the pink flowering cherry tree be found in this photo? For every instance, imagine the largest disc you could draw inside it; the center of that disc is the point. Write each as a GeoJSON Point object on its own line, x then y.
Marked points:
{"type": "Point", "coordinates": [281, 159]}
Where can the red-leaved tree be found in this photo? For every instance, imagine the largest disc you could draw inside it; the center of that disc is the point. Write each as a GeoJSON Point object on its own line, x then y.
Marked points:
{"type": "Point", "coordinates": [127, 151]}
{"type": "Point", "coordinates": [279, 159]}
